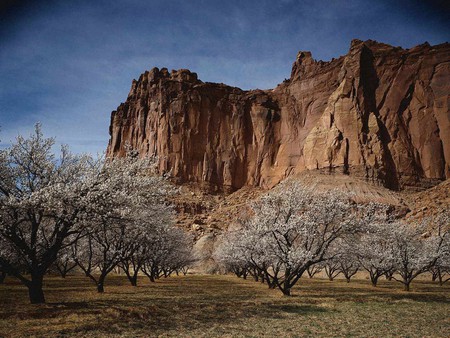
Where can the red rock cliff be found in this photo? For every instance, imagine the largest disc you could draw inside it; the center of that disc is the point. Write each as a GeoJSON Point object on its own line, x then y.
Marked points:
{"type": "Point", "coordinates": [379, 112]}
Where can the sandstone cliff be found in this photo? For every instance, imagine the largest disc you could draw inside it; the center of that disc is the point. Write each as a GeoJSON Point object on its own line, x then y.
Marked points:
{"type": "Point", "coordinates": [380, 113]}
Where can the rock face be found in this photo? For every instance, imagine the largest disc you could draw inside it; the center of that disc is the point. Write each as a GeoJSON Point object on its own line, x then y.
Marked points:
{"type": "Point", "coordinates": [379, 113]}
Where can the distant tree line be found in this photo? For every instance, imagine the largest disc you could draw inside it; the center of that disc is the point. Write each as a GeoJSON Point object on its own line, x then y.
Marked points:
{"type": "Point", "coordinates": [76, 211]}
{"type": "Point", "coordinates": [293, 230]}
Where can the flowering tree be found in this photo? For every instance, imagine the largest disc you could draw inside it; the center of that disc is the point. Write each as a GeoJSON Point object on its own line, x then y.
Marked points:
{"type": "Point", "coordinates": [417, 247]}
{"type": "Point", "coordinates": [343, 259]}
{"type": "Point", "coordinates": [291, 229]}
{"type": "Point", "coordinates": [332, 265]}
{"type": "Point", "coordinates": [167, 249]}
{"type": "Point", "coordinates": [41, 200]}
{"type": "Point", "coordinates": [347, 258]}
{"type": "Point", "coordinates": [441, 268]}
{"type": "Point", "coordinates": [145, 225]}
{"type": "Point", "coordinates": [49, 204]}
{"type": "Point", "coordinates": [373, 250]}
{"type": "Point", "coordinates": [160, 249]}
{"type": "Point", "coordinates": [230, 255]}
{"type": "Point", "coordinates": [65, 261]}
{"type": "Point", "coordinates": [100, 251]}
{"type": "Point", "coordinates": [314, 269]}
{"type": "Point", "coordinates": [125, 190]}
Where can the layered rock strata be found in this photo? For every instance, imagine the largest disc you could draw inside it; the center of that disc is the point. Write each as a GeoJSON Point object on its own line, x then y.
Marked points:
{"type": "Point", "coordinates": [380, 113]}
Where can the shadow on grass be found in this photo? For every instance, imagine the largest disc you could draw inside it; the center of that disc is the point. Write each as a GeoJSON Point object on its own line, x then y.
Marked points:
{"type": "Point", "coordinates": [70, 305]}
{"type": "Point", "coordinates": [298, 309]}
{"type": "Point", "coordinates": [385, 292]}
{"type": "Point", "coordinates": [187, 304]}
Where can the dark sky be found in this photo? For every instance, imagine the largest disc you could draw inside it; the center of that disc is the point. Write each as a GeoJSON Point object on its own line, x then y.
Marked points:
{"type": "Point", "coordinates": [68, 64]}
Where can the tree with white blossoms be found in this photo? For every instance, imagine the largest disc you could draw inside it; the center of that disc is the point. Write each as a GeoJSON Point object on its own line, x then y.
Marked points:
{"type": "Point", "coordinates": [372, 245]}
{"type": "Point", "coordinates": [181, 257]}
{"type": "Point", "coordinates": [373, 251]}
{"type": "Point", "coordinates": [126, 189]}
{"type": "Point", "coordinates": [332, 267]}
{"type": "Point", "coordinates": [441, 269]}
{"type": "Point", "coordinates": [167, 249]}
{"type": "Point", "coordinates": [99, 251]}
{"type": "Point", "coordinates": [10, 255]}
{"type": "Point", "coordinates": [231, 255]}
{"type": "Point", "coordinates": [292, 228]}
{"type": "Point", "coordinates": [314, 270]}
{"type": "Point", "coordinates": [343, 259]}
{"type": "Point", "coordinates": [146, 223]}
{"type": "Point", "coordinates": [65, 261]}
{"type": "Point", "coordinates": [41, 200]}
{"type": "Point", "coordinates": [48, 204]}
{"type": "Point", "coordinates": [416, 247]}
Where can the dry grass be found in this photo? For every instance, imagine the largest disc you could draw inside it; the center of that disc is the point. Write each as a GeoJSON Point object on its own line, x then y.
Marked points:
{"type": "Point", "coordinates": [201, 305]}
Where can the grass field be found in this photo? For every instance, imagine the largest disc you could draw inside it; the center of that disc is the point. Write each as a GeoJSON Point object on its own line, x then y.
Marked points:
{"type": "Point", "coordinates": [212, 305]}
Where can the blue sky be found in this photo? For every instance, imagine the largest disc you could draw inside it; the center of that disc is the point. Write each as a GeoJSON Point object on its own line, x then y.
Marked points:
{"type": "Point", "coordinates": [68, 64]}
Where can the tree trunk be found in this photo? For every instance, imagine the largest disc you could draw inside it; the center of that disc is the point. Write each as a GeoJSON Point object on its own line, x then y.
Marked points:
{"type": "Point", "coordinates": [2, 277]}
{"type": "Point", "coordinates": [286, 291]}
{"type": "Point", "coordinates": [433, 276]}
{"type": "Point", "coordinates": [132, 277]}
{"type": "Point", "coordinates": [100, 284]}
{"type": "Point", "coordinates": [439, 276]}
{"type": "Point", "coordinates": [347, 279]}
{"type": "Point", "coordinates": [406, 286]}
{"type": "Point", "coordinates": [374, 280]}
{"type": "Point", "coordinates": [100, 288]}
{"type": "Point", "coordinates": [389, 275]}
{"type": "Point", "coordinates": [35, 290]}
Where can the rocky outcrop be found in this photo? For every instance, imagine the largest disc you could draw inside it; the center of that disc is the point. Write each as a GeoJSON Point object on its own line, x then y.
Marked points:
{"type": "Point", "coordinates": [380, 113]}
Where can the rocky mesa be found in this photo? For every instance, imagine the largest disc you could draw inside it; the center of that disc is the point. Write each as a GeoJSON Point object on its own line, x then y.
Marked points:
{"type": "Point", "coordinates": [380, 113]}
